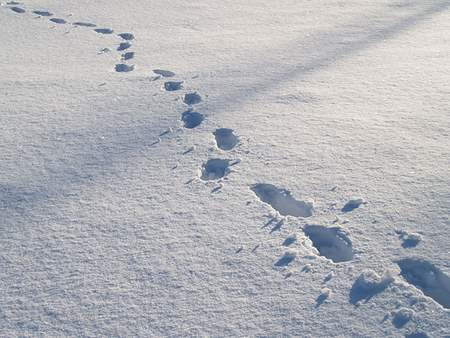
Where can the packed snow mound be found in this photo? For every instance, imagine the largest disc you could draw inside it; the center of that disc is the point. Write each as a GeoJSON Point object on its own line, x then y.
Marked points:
{"type": "Point", "coordinates": [369, 284]}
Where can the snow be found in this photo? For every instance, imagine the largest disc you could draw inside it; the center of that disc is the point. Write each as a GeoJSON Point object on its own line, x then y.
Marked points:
{"type": "Point", "coordinates": [133, 206]}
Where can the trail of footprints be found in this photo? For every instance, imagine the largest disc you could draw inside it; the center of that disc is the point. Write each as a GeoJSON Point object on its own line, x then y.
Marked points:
{"type": "Point", "coordinates": [121, 67]}
{"type": "Point", "coordinates": [333, 243]}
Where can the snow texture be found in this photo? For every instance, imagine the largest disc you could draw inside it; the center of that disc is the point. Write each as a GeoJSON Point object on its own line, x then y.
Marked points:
{"type": "Point", "coordinates": [159, 161]}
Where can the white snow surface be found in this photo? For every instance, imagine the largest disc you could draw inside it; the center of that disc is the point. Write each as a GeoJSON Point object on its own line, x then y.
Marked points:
{"type": "Point", "coordinates": [107, 227]}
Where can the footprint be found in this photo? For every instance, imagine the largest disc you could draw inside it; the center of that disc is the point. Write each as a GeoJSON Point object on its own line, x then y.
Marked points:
{"type": "Point", "coordinates": [84, 24]}
{"type": "Point", "coordinates": [192, 119]}
{"type": "Point", "coordinates": [43, 13]}
{"type": "Point", "coordinates": [126, 36]}
{"type": "Point", "coordinates": [127, 56]}
{"type": "Point", "coordinates": [164, 73]}
{"type": "Point", "coordinates": [214, 169]}
{"type": "Point", "coordinates": [104, 30]}
{"type": "Point", "coordinates": [171, 86]}
{"type": "Point", "coordinates": [123, 46]}
{"type": "Point", "coordinates": [428, 278]}
{"type": "Point", "coordinates": [331, 243]}
{"type": "Point", "coordinates": [282, 200]}
{"type": "Point", "coordinates": [123, 68]}
{"type": "Point", "coordinates": [18, 10]}
{"type": "Point", "coordinates": [352, 204]}
{"type": "Point", "coordinates": [225, 138]}
{"type": "Point", "coordinates": [58, 21]}
{"type": "Point", "coordinates": [192, 98]}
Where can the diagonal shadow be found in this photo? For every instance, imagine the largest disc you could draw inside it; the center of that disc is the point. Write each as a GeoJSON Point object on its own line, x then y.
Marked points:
{"type": "Point", "coordinates": [325, 49]}
{"type": "Point", "coordinates": [331, 50]}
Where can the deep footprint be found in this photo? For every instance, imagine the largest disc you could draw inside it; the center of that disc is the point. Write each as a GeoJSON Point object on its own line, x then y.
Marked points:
{"type": "Point", "coordinates": [428, 278]}
{"type": "Point", "coordinates": [164, 73]}
{"type": "Point", "coordinates": [331, 243]}
{"type": "Point", "coordinates": [58, 21]}
{"type": "Point", "coordinates": [127, 56]}
{"type": "Point", "coordinates": [104, 30]}
{"type": "Point", "coordinates": [123, 46]}
{"type": "Point", "coordinates": [192, 119]}
{"type": "Point", "coordinates": [18, 10]}
{"type": "Point", "coordinates": [84, 24]}
{"type": "Point", "coordinates": [123, 68]}
{"type": "Point", "coordinates": [282, 200]}
{"type": "Point", "coordinates": [225, 138]}
{"type": "Point", "coordinates": [192, 98]}
{"type": "Point", "coordinates": [126, 36]}
{"type": "Point", "coordinates": [171, 86]}
{"type": "Point", "coordinates": [43, 13]}
{"type": "Point", "coordinates": [214, 169]}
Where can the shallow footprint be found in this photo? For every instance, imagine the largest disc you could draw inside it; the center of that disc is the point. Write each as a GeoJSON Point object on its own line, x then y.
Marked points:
{"type": "Point", "coordinates": [164, 73]}
{"type": "Point", "coordinates": [43, 13]}
{"type": "Point", "coordinates": [123, 46]}
{"type": "Point", "coordinates": [192, 98]}
{"type": "Point", "coordinates": [192, 119]}
{"type": "Point", "coordinates": [104, 30]}
{"type": "Point", "coordinates": [84, 24]}
{"type": "Point", "coordinates": [127, 56]}
{"type": "Point", "coordinates": [123, 68]}
{"type": "Point", "coordinates": [171, 86]}
{"type": "Point", "coordinates": [18, 10]}
{"type": "Point", "coordinates": [215, 168]}
{"type": "Point", "coordinates": [225, 138]}
{"type": "Point", "coordinates": [126, 36]}
{"type": "Point", "coordinates": [58, 21]}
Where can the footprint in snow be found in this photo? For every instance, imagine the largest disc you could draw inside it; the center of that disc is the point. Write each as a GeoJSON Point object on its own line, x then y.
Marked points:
{"type": "Point", "coordinates": [58, 21]}
{"type": "Point", "coordinates": [123, 68]}
{"type": "Point", "coordinates": [164, 73]}
{"type": "Point", "coordinates": [171, 86]}
{"type": "Point", "coordinates": [84, 24]}
{"type": "Point", "coordinates": [104, 30]}
{"type": "Point", "coordinates": [123, 46]}
{"type": "Point", "coordinates": [192, 119]}
{"type": "Point", "coordinates": [18, 10]}
{"type": "Point", "coordinates": [126, 36]}
{"type": "Point", "coordinates": [225, 138]}
{"type": "Point", "coordinates": [192, 98]}
{"type": "Point", "coordinates": [332, 243]}
{"type": "Point", "coordinates": [282, 200]}
{"type": "Point", "coordinates": [215, 169]}
{"type": "Point", "coordinates": [426, 277]}
{"type": "Point", "coordinates": [43, 13]}
{"type": "Point", "coordinates": [127, 56]}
